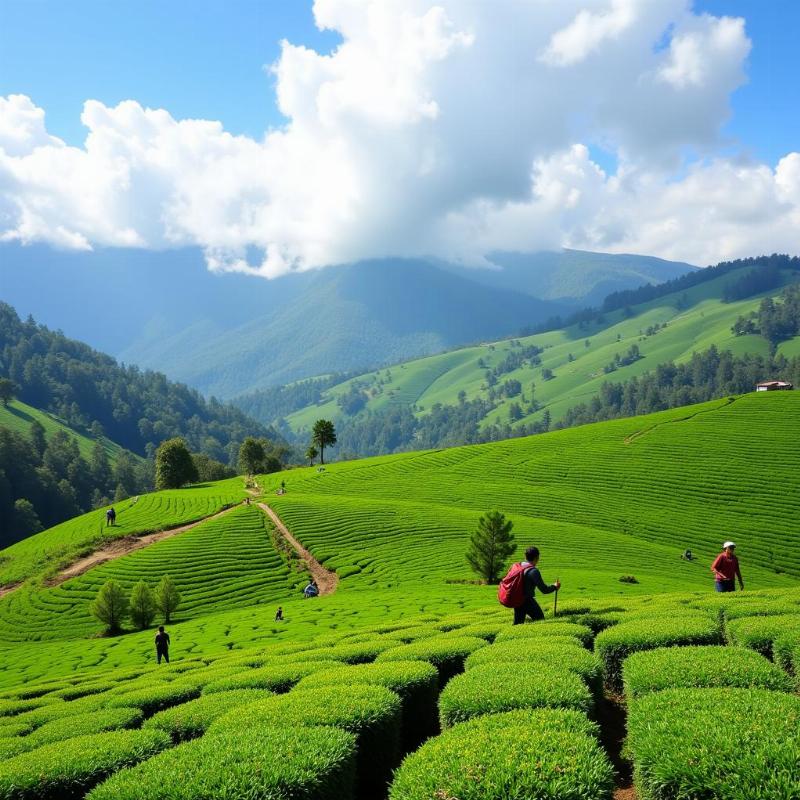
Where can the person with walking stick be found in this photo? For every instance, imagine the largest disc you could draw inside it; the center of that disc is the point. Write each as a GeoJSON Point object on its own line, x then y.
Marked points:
{"type": "Point", "coordinates": [531, 581]}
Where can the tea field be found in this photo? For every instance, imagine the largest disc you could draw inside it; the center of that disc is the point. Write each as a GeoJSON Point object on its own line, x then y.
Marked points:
{"type": "Point", "coordinates": [409, 681]}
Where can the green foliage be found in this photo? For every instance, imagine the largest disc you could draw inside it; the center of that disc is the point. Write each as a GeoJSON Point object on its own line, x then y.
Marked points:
{"type": "Point", "coordinates": [167, 597]}
{"type": "Point", "coordinates": [615, 644]}
{"type": "Point", "coordinates": [542, 630]}
{"type": "Point", "coordinates": [192, 719]}
{"type": "Point", "coordinates": [700, 667]}
{"type": "Point", "coordinates": [323, 435]}
{"type": "Point", "coordinates": [372, 713]}
{"type": "Point", "coordinates": [729, 744]}
{"type": "Point", "coordinates": [275, 678]}
{"type": "Point", "coordinates": [67, 770]}
{"type": "Point", "coordinates": [760, 632]}
{"type": "Point", "coordinates": [279, 763]}
{"type": "Point", "coordinates": [155, 697]}
{"type": "Point", "coordinates": [7, 391]}
{"type": "Point", "coordinates": [503, 686]}
{"type": "Point", "coordinates": [548, 754]}
{"type": "Point", "coordinates": [311, 454]}
{"type": "Point", "coordinates": [446, 653]}
{"type": "Point", "coordinates": [490, 545]}
{"type": "Point", "coordinates": [251, 455]}
{"type": "Point", "coordinates": [111, 606]}
{"type": "Point", "coordinates": [142, 605]}
{"type": "Point", "coordinates": [174, 465]}
{"type": "Point", "coordinates": [97, 721]}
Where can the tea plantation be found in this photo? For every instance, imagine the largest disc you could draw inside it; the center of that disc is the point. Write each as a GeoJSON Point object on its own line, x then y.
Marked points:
{"type": "Point", "coordinates": [409, 682]}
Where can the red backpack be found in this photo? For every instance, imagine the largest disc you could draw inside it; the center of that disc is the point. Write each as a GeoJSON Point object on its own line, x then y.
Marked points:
{"type": "Point", "coordinates": [511, 592]}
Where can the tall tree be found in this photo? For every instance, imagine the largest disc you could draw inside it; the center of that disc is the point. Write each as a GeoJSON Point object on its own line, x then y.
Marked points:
{"type": "Point", "coordinates": [110, 606]}
{"type": "Point", "coordinates": [26, 521]}
{"type": "Point", "coordinates": [38, 438]}
{"type": "Point", "coordinates": [168, 598]}
{"type": "Point", "coordinates": [490, 545]}
{"type": "Point", "coordinates": [311, 454]}
{"type": "Point", "coordinates": [251, 455]}
{"type": "Point", "coordinates": [142, 605]}
{"type": "Point", "coordinates": [174, 465]}
{"type": "Point", "coordinates": [323, 435]}
{"type": "Point", "coordinates": [7, 391]}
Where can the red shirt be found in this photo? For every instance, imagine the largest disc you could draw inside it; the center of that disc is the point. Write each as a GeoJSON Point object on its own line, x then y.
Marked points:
{"type": "Point", "coordinates": [726, 567]}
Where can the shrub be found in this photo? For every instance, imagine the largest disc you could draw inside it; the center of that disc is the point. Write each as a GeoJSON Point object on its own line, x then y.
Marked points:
{"type": "Point", "coordinates": [190, 720]}
{"type": "Point", "coordinates": [784, 648]}
{"type": "Point", "coordinates": [700, 667]}
{"type": "Point", "coordinates": [758, 633]}
{"type": "Point", "coordinates": [628, 579]}
{"type": "Point", "coordinates": [275, 678]}
{"type": "Point", "coordinates": [11, 746]}
{"type": "Point", "coordinates": [491, 688]}
{"type": "Point", "coordinates": [542, 629]}
{"type": "Point", "coordinates": [10, 708]}
{"type": "Point", "coordinates": [66, 770]}
{"type": "Point", "coordinates": [446, 653]}
{"type": "Point", "coordinates": [615, 644]}
{"type": "Point", "coordinates": [371, 713]}
{"type": "Point", "coordinates": [109, 719]}
{"type": "Point", "coordinates": [415, 682]}
{"type": "Point", "coordinates": [110, 606]}
{"type": "Point", "coordinates": [155, 698]}
{"type": "Point", "coordinates": [279, 763]}
{"type": "Point", "coordinates": [546, 753]}
{"type": "Point", "coordinates": [349, 652]}
{"type": "Point", "coordinates": [483, 630]}
{"type": "Point", "coordinates": [142, 605]}
{"type": "Point", "coordinates": [83, 690]}
{"type": "Point", "coordinates": [730, 744]}
{"type": "Point", "coordinates": [413, 634]}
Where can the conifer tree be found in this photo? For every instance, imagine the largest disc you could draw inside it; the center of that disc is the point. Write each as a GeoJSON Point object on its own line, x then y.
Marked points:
{"type": "Point", "coordinates": [490, 546]}
{"type": "Point", "coordinates": [110, 606]}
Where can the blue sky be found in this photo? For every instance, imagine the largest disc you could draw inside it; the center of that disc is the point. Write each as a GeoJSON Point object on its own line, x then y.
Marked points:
{"type": "Point", "coordinates": [206, 59]}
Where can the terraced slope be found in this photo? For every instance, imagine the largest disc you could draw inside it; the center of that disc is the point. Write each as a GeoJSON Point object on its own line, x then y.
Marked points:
{"type": "Point", "coordinates": [576, 356]}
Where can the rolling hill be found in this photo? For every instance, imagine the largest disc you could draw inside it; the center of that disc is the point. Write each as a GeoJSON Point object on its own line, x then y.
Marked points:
{"type": "Point", "coordinates": [240, 333]}
{"type": "Point", "coordinates": [550, 372]}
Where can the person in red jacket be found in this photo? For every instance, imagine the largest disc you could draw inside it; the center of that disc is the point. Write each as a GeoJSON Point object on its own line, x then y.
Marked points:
{"type": "Point", "coordinates": [726, 569]}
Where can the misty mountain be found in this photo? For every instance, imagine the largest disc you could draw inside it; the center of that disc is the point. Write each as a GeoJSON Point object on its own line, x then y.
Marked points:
{"type": "Point", "coordinates": [229, 334]}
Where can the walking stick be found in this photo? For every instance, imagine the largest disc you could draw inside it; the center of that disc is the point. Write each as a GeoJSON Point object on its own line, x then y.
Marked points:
{"type": "Point", "coordinates": [555, 600]}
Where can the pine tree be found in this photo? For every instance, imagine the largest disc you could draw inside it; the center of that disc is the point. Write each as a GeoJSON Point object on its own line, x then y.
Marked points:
{"type": "Point", "coordinates": [167, 596]}
{"type": "Point", "coordinates": [110, 606]}
{"type": "Point", "coordinates": [143, 605]}
{"type": "Point", "coordinates": [490, 546]}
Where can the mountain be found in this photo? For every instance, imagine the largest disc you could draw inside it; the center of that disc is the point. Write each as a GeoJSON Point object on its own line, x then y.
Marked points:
{"type": "Point", "coordinates": [230, 334]}
{"type": "Point", "coordinates": [509, 388]}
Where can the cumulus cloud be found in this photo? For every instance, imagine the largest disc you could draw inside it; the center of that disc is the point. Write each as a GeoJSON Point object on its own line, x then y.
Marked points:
{"type": "Point", "coordinates": [446, 128]}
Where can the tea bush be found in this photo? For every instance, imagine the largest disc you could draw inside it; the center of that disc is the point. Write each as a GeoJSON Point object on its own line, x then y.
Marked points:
{"type": "Point", "coordinates": [545, 754]}
{"type": "Point", "coordinates": [415, 682]}
{"type": "Point", "coordinates": [67, 770]}
{"type": "Point", "coordinates": [12, 707]}
{"type": "Point", "coordinates": [190, 720]}
{"type": "Point", "coordinates": [726, 744]}
{"type": "Point", "coordinates": [371, 713]}
{"type": "Point", "coordinates": [491, 688]}
{"type": "Point", "coordinates": [349, 653]}
{"type": "Point", "coordinates": [700, 667]}
{"type": "Point", "coordinates": [155, 698]}
{"type": "Point", "coordinates": [542, 629]}
{"type": "Point", "coordinates": [615, 644]}
{"type": "Point", "coordinates": [446, 653]}
{"type": "Point", "coordinates": [282, 763]}
{"type": "Point", "coordinates": [759, 633]}
{"type": "Point", "coordinates": [99, 721]}
{"type": "Point", "coordinates": [275, 678]}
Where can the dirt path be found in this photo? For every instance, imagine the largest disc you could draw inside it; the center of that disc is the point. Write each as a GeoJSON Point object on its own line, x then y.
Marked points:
{"type": "Point", "coordinates": [326, 580]}
{"type": "Point", "coordinates": [124, 545]}
{"type": "Point", "coordinates": [611, 718]}
{"type": "Point", "coordinates": [8, 588]}
{"type": "Point", "coordinates": [638, 434]}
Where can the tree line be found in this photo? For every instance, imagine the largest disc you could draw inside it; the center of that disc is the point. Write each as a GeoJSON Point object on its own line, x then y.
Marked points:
{"type": "Point", "coordinates": [112, 605]}
{"type": "Point", "coordinates": [775, 320]}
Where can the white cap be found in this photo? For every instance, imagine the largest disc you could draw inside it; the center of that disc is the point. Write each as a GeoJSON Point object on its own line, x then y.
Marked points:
{"type": "Point", "coordinates": [728, 544]}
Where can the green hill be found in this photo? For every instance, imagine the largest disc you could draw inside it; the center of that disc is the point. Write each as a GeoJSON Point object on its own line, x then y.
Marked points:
{"type": "Point", "coordinates": [410, 647]}
{"type": "Point", "coordinates": [550, 372]}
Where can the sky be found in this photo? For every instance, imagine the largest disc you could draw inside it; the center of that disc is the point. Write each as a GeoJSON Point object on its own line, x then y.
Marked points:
{"type": "Point", "coordinates": [280, 135]}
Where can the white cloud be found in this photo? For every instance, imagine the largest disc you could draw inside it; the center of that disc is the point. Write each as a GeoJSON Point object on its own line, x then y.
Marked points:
{"type": "Point", "coordinates": [447, 128]}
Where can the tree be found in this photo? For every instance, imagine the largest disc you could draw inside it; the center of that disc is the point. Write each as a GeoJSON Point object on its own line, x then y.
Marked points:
{"type": "Point", "coordinates": [311, 454]}
{"type": "Point", "coordinates": [251, 455]}
{"type": "Point", "coordinates": [174, 465]}
{"type": "Point", "coordinates": [209, 469]}
{"type": "Point", "coordinates": [490, 546]}
{"type": "Point", "coordinates": [26, 521]}
{"type": "Point", "coordinates": [168, 598]}
{"type": "Point", "coordinates": [143, 605]}
{"type": "Point", "coordinates": [38, 439]}
{"type": "Point", "coordinates": [110, 606]}
{"type": "Point", "coordinates": [7, 391]}
{"type": "Point", "coordinates": [323, 435]}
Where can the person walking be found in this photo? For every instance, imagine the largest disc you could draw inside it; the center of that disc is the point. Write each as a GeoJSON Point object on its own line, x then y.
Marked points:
{"type": "Point", "coordinates": [111, 516]}
{"type": "Point", "coordinates": [162, 645]}
{"type": "Point", "coordinates": [532, 581]}
{"type": "Point", "coordinates": [726, 569]}
{"type": "Point", "coordinates": [279, 614]}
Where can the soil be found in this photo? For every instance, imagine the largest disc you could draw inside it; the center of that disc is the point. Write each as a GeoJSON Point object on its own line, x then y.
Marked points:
{"type": "Point", "coordinates": [8, 588]}
{"type": "Point", "coordinates": [121, 547]}
{"type": "Point", "coordinates": [611, 718]}
{"type": "Point", "coordinates": [327, 581]}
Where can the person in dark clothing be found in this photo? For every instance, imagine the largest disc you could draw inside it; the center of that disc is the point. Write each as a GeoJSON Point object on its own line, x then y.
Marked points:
{"type": "Point", "coordinates": [162, 645]}
{"type": "Point", "coordinates": [726, 569]}
{"type": "Point", "coordinates": [533, 581]}
{"type": "Point", "coordinates": [279, 614]}
{"type": "Point", "coordinates": [111, 517]}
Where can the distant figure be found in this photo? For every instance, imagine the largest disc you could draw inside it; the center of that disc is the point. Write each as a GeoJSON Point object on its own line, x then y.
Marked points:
{"type": "Point", "coordinates": [279, 614]}
{"type": "Point", "coordinates": [162, 645]}
{"type": "Point", "coordinates": [687, 555]}
{"type": "Point", "coordinates": [312, 590]}
{"type": "Point", "coordinates": [111, 516]}
{"type": "Point", "coordinates": [533, 581]}
{"type": "Point", "coordinates": [283, 487]}
{"type": "Point", "coordinates": [726, 569]}
{"type": "Point", "coordinates": [247, 501]}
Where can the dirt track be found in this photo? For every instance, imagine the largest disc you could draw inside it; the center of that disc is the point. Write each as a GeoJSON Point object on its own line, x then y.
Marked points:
{"type": "Point", "coordinates": [326, 580]}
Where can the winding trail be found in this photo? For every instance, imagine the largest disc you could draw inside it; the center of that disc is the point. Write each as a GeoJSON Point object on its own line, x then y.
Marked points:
{"type": "Point", "coordinates": [8, 588]}
{"type": "Point", "coordinates": [326, 580]}
{"type": "Point", "coordinates": [644, 431]}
